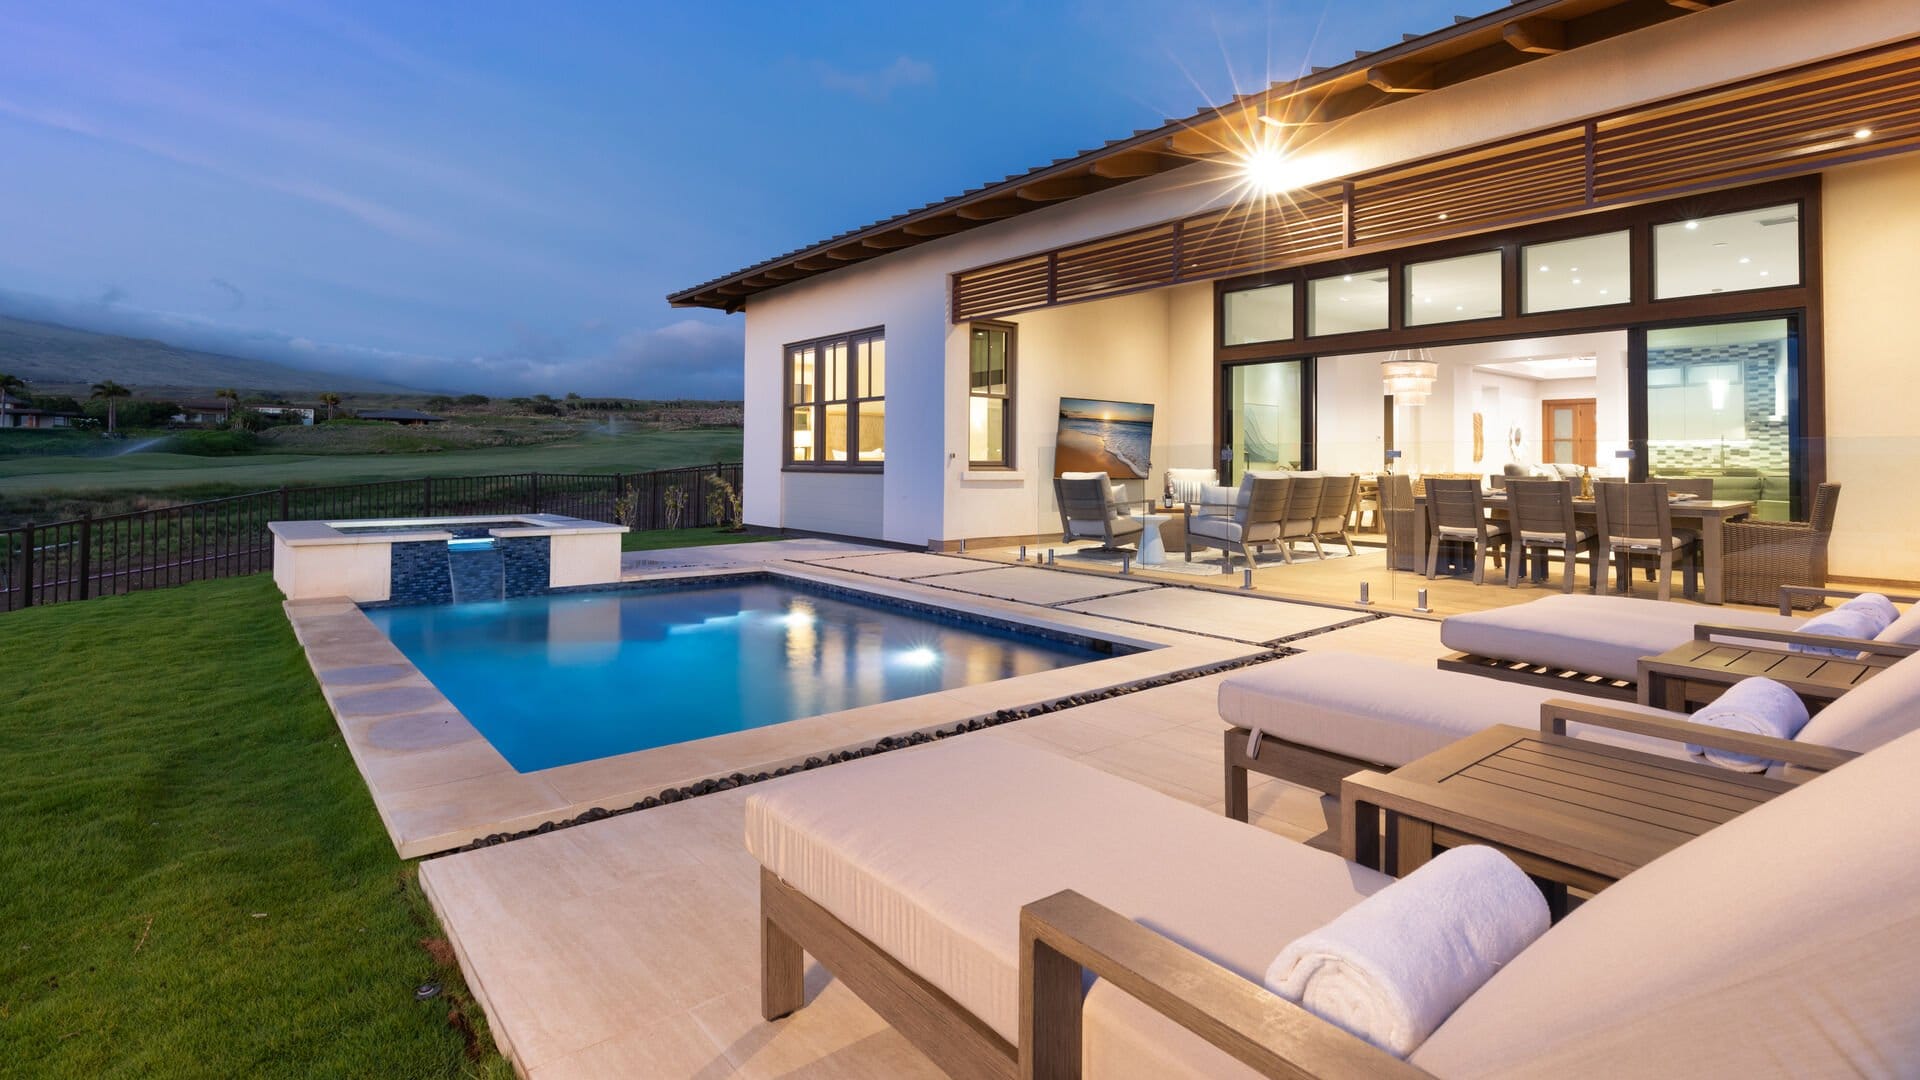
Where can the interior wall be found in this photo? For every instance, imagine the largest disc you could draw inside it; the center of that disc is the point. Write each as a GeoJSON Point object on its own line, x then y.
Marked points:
{"type": "Point", "coordinates": [1870, 260]}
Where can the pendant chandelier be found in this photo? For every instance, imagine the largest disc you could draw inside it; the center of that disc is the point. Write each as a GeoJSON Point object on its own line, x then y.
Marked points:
{"type": "Point", "coordinates": [1410, 381]}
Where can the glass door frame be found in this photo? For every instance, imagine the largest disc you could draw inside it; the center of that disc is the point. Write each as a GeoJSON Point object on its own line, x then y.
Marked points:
{"type": "Point", "coordinates": [1223, 413]}
{"type": "Point", "coordinates": [1806, 454]}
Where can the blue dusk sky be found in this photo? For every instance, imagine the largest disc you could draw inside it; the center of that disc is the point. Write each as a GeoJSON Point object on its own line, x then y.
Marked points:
{"type": "Point", "coordinates": [497, 196]}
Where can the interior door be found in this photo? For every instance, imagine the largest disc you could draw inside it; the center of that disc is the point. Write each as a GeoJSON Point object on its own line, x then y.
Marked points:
{"type": "Point", "coordinates": [1567, 431]}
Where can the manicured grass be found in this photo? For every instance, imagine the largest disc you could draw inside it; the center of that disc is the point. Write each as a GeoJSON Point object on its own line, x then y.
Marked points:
{"type": "Point", "coordinates": [185, 475]}
{"type": "Point", "coordinates": [655, 539]}
{"type": "Point", "coordinates": [193, 881]}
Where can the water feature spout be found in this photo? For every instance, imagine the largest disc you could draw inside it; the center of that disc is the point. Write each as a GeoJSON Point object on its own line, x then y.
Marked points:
{"type": "Point", "coordinates": [476, 570]}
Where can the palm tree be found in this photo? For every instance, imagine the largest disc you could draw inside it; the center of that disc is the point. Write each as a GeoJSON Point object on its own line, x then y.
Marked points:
{"type": "Point", "coordinates": [10, 387]}
{"type": "Point", "coordinates": [110, 392]}
{"type": "Point", "coordinates": [232, 398]}
{"type": "Point", "coordinates": [331, 401]}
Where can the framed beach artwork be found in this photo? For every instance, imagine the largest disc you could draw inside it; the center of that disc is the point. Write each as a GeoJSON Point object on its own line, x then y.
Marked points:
{"type": "Point", "coordinates": [1113, 437]}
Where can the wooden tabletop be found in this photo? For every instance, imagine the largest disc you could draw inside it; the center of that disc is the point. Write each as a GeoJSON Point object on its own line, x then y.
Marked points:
{"type": "Point", "coordinates": [1814, 677]}
{"type": "Point", "coordinates": [1572, 810]}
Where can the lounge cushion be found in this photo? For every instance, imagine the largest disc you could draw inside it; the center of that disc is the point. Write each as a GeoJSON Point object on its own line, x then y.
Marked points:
{"type": "Point", "coordinates": [1600, 635]}
{"type": "Point", "coordinates": [1223, 528]}
{"type": "Point", "coordinates": [1871, 714]}
{"type": "Point", "coordinates": [1391, 712]}
{"type": "Point", "coordinates": [1785, 942]}
{"type": "Point", "coordinates": [930, 853]}
{"type": "Point", "coordinates": [1905, 630]}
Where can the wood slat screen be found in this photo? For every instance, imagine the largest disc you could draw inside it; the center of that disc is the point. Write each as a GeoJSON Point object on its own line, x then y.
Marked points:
{"type": "Point", "coordinates": [1792, 123]}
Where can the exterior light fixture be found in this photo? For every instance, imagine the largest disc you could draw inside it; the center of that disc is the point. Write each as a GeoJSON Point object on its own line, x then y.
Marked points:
{"type": "Point", "coordinates": [1863, 133]}
{"type": "Point", "coordinates": [1265, 170]}
{"type": "Point", "coordinates": [1409, 381]}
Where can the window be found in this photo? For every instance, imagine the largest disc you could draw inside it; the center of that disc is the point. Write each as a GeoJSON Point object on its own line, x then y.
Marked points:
{"type": "Point", "coordinates": [990, 396]}
{"type": "Point", "coordinates": [1591, 271]}
{"type": "Point", "coordinates": [836, 405]}
{"type": "Point", "coordinates": [1348, 303]}
{"type": "Point", "coordinates": [1454, 290]}
{"type": "Point", "coordinates": [1753, 249]}
{"type": "Point", "coordinates": [1261, 314]}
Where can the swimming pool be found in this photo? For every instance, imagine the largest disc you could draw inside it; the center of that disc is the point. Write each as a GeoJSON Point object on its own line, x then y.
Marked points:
{"type": "Point", "coordinates": [557, 679]}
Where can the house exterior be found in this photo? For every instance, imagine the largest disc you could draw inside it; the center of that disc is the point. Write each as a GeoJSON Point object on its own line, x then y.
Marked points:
{"type": "Point", "coordinates": [204, 413]}
{"type": "Point", "coordinates": [403, 417]}
{"type": "Point", "coordinates": [1646, 238]}
{"type": "Point", "coordinates": [17, 413]}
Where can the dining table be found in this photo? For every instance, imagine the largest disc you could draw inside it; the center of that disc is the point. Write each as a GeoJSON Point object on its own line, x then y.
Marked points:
{"type": "Point", "coordinates": [1704, 516]}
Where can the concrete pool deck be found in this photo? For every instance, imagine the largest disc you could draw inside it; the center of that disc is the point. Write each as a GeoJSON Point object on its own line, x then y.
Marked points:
{"type": "Point", "coordinates": [439, 784]}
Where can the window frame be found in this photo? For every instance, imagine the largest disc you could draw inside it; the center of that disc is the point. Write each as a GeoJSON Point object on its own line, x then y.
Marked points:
{"type": "Point", "coordinates": [851, 398]}
{"type": "Point", "coordinates": [1008, 448]}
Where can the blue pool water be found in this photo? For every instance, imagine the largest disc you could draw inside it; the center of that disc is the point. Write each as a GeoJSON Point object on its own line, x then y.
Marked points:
{"type": "Point", "coordinates": [552, 680]}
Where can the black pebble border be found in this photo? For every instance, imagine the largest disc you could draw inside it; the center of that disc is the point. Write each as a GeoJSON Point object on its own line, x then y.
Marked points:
{"type": "Point", "coordinates": [891, 742]}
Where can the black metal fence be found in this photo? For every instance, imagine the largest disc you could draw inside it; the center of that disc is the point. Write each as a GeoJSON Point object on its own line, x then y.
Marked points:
{"type": "Point", "coordinates": [148, 549]}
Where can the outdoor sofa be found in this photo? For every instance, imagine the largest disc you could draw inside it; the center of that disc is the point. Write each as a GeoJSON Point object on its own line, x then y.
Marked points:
{"type": "Point", "coordinates": [963, 890]}
{"type": "Point", "coordinates": [1593, 644]}
{"type": "Point", "coordinates": [1321, 716]}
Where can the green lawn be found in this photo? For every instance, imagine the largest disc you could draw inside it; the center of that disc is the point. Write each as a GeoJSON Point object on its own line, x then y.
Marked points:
{"type": "Point", "coordinates": [184, 474]}
{"type": "Point", "coordinates": [655, 539]}
{"type": "Point", "coordinates": [193, 881]}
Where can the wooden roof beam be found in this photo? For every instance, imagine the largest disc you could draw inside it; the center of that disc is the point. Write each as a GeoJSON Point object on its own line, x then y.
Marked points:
{"type": "Point", "coordinates": [847, 254]}
{"type": "Point", "coordinates": [1690, 5]}
{"type": "Point", "coordinates": [940, 226]}
{"type": "Point", "coordinates": [1538, 35]}
{"type": "Point", "coordinates": [1055, 188]}
{"type": "Point", "coordinates": [992, 209]}
{"type": "Point", "coordinates": [1134, 166]}
{"type": "Point", "coordinates": [889, 241]}
{"type": "Point", "coordinates": [816, 262]}
{"type": "Point", "coordinates": [1404, 77]}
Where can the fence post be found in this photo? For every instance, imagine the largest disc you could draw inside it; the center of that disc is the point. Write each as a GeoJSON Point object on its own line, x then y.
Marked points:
{"type": "Point", "coordinates": [426, 497]}
{"type": "Point", "coordinates": [534, 481]}
{"type": "Point", "coordinates": [26, 566]}
{"type": "Point", "coordinates": [284, 513]}
{"type": "Point", "coordinates": [86, 551]}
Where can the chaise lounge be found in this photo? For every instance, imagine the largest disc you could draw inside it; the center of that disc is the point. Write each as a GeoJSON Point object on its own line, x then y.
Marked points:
{"type": "Point", "coordinates": [1593, 644]}
{"type": "Point", "coordinates": [961, 889]}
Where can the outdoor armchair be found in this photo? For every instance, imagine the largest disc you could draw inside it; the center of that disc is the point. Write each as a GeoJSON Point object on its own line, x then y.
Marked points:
{"type": "Point", "coordinates": [1762, 556]}
{"type": "Point", "coordinates": [1092, 508]}
{"type": "Point", "coordinates": [1248, 524]}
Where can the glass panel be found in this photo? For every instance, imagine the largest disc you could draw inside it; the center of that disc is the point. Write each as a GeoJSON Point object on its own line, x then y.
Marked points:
{"type": "Point", "coordinates": [873, 368]}
{"type": "Point", "coordinates": [835, 435]}
{"type": "Point", "coordinates": [1753, 249]}
{"type": "Point", "coordinates": [1717, 413]}
{"type": "Point", "coordinates": [803, 434]}
{"type": "Point", "coordinates": [1563, 423]}
{"type": "Point", "coordinates": [873, 431]}
{"type": "Point", "coordinates": [1591, 271]}
{"type": "Point", "coordinates": [834, 386]}
{"type": "Point", "coordinates": [1263, 417]}
{"type": "Point", "coordinates": [1451, 290]}
{"type": "Point", "coordinates": [1348, 303]}
{"type": "Point", "coordinates": [803, 375]}
{"type": "Point", "coordinates": [1263, 314]}
{"type": "Point", "coordinates": [1562, 451]}
{"type": "Point", "coordinates": [987, 430]}
{"type": "Point", "coordinates": [988, 362]}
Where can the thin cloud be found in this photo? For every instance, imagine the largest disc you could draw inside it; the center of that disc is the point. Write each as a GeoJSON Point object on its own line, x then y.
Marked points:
{"type": "Point", "coordinates": [235, 298]}
{"type": "Point", "coordinates": [877, 86]}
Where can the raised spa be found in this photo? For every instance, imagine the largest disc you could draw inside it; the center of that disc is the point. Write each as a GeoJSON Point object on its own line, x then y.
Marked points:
{"type": "Point", "coordinates": [557, 679]}
{"type": "Point", "coordinates": [444, 559]}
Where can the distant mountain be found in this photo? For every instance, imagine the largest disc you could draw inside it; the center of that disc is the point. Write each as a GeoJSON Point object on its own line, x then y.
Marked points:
{"type": "Point", "coordinates": [51, 357]}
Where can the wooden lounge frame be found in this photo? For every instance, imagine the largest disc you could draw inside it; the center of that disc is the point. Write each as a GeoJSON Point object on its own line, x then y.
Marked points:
{"type": "Point", "coordinates": [1060, 937]}
{"type": "Point", "coordinates": [1323, 770]}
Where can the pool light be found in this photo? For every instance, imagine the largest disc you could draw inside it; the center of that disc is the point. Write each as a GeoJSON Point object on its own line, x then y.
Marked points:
{"type": "Point", "coordinates": [919, 657]}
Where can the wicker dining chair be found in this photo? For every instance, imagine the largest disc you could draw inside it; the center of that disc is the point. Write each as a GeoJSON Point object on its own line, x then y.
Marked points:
{"type": "Point", "coordinates": [1458, 512]}
{"type": "Point", "coordinates": [1540, 513]}
{"type": "Point", "coordinates": [1761, 556]}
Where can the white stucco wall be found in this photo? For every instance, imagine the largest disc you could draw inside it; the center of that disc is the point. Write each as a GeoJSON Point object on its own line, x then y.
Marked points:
{"type": "Point", "coordinates": [1871, 221]}
{"type": "Point", "coordinates": [920, 494]}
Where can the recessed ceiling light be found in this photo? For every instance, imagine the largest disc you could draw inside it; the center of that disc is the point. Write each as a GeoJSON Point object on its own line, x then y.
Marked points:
{"type": "Point", "coordinates": [1443, 215]}
{"type": "Point", "coordinates": [1863, 133]}
{"type": "Point", "coordinates": [1693, 224]}
{"type": "Point", "coordinates": [1573, 269]}
{"type": "Point", "coordinates": [1544, 269]}
{"type": "Point", "coordinates": [1343, 299]}
{"type": "Point", "coordinates": [1603, 292]}
{"type": "Point", "coordinates": [1348, 277]}
{"type": "Point", "coordinates": [1426, 299]}
{"type": "Point", "coordinates": [1459, 307]}
{"type": "Point", "coordinates": [1764, 273]}
{"type": "Point", "coordinates": [1576, 281]}
{"type": "Point", "coordinates": [1744, 260]}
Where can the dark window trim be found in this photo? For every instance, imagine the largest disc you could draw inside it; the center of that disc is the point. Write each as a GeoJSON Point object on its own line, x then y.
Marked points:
{"type": "Point", "coordinates": [1009, 447]}
{"type": "Point", "coordinates": [819, 404]}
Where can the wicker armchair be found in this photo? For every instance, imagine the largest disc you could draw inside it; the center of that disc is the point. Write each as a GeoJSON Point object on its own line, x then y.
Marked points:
{"type": "Point", "coordinates": [1762, 556]}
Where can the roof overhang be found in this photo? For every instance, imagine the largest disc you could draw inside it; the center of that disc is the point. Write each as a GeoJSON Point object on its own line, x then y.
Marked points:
{"type": "Point", "coordinates": [1471, 48]}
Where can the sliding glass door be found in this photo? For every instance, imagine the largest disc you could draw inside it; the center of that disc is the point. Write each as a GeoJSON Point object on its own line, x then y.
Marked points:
{"type": "Point", "coordinates": [1721, 402]}
{"type": "Point", "coordinates": [1265, 418]}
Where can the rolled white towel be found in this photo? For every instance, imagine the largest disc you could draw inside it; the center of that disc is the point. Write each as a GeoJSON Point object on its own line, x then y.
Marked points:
{"type": "Point", "coordinates": [1862, 623]}
{"type": "Point", "coordinates": [1879, 607]}
{"type": "Point", "coordinates": [1391, 968]}
{"type": "Point", "coordinates": [1756, 706]}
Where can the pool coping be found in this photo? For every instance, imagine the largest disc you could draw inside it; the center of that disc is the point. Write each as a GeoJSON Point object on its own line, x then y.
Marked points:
{"type": "Point", "coordinates": [438, 784]}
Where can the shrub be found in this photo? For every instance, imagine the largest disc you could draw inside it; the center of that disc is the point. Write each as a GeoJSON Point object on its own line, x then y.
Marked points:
{"type": "Point", "coordinates": [723, 502]}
